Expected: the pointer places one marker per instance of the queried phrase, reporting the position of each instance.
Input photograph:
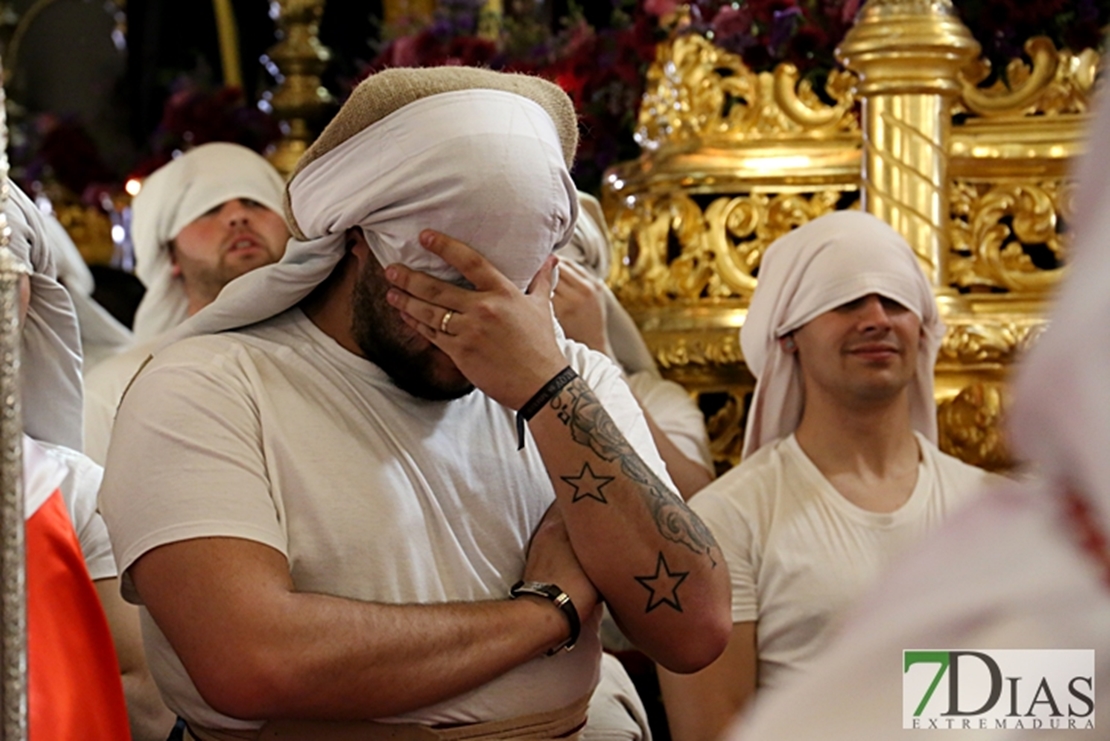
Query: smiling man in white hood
(841, 469)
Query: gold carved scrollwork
(695, 350)
(726, 431)
(695, 90)
(989, 342)
(718, 249)
(647, 231)
(90, 228)
(740, 229)
(1052, 82)
(994, 229)
(970, 426)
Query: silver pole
(13, 582)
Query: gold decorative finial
(300, 100)
(908, 55)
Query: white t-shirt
(104, 387)
(79, 480)
(799, 553)
(278, 435)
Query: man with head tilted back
(199, 222)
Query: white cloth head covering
(51, 342)
(102, 335)
(1060, 416)
(589, 247)
(830, 261)
(174, 196)
(479, 163)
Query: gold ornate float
(975, 177)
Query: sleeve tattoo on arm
(579, 409)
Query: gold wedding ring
(445, 321)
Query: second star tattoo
(588, 485)
(663, 586)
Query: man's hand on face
(501, 339)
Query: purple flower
(783, 24)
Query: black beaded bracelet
(531, 407)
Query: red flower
(732, 22)
(470, 51)
(660, 8)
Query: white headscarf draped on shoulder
(102, 335)
(1060, 413)
(51, 342)
(589, 247)
(830, 261)
(172, 197)
(479, 155)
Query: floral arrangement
(60, 149)
(766, 32)
(600, 68)
(806, 32)
(193, 116)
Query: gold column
(300, 99)
(227, 31)
(907, 54)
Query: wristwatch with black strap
(560, 599)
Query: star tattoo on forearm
(587, 485)
(663, 585)
(590, 425)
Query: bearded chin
(381, 335)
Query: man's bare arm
(579, 304)
(655, 562)
(258, 649)
(700, 706)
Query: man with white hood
(199, 222)
(373, 483)
(1026, 567)
(840, 470)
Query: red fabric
(74, 683)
